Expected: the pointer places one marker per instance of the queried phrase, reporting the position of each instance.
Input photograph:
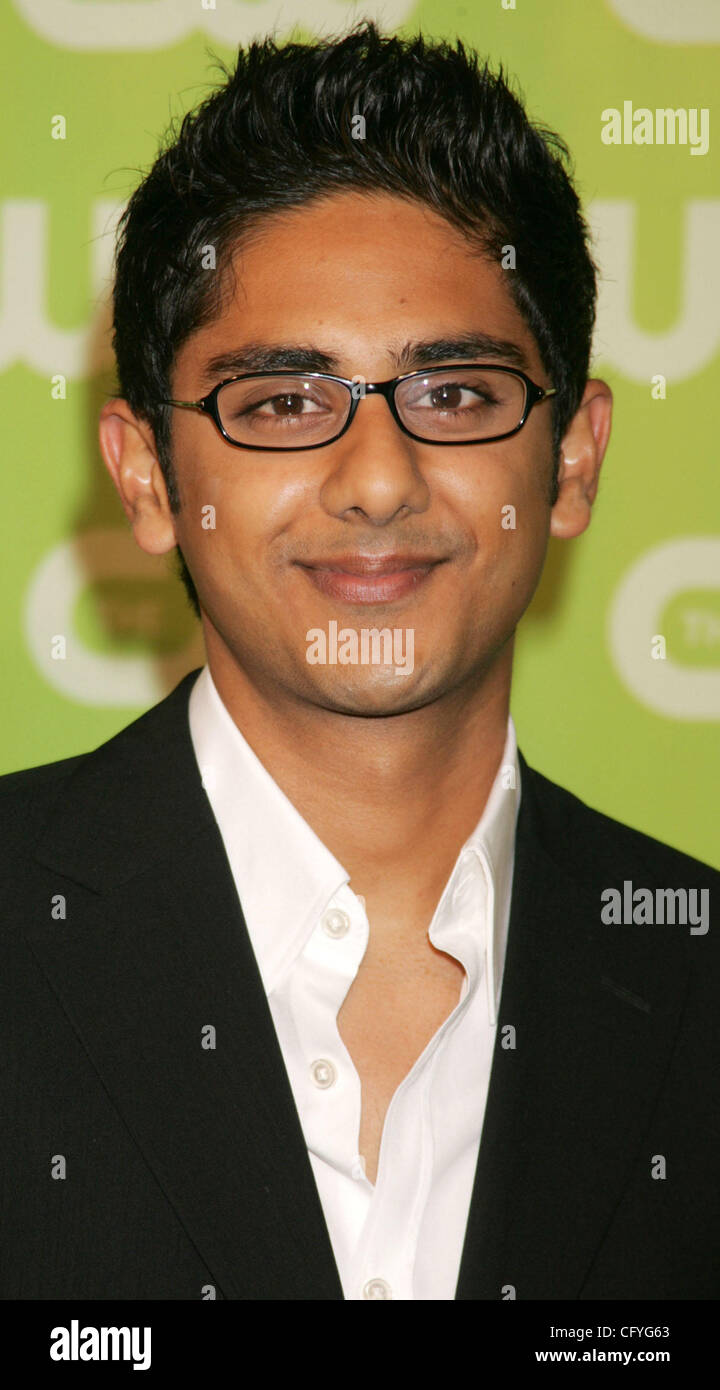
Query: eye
(462, 403)
(454, 395)
(269, 399)
(451, 395)
(286, 404)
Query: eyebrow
(412, 355)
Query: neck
(392, 799)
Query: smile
(370, 579)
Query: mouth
(370, 578)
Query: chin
(379, 698)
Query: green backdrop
(635, 736)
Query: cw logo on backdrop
(673, 571)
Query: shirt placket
(324, 1080)
(416, 1120)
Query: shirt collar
(286, 876)
(492, 842)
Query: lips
(370, 578)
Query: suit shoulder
(576, 831)
(26, 793)
(28, 783)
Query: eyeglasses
(466, 404)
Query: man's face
(355, 276)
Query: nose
(375, 468)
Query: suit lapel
(567, 1106)
(144, 964)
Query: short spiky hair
(439, 128)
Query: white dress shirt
(403, 1237)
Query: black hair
(439, 128)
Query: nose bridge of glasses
(361, 389)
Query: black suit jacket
(186, 1172)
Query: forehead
(357, 272)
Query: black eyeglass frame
(208, 404)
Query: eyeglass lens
(459, 403)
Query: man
(314, 989)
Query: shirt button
(335, 922)
(377, 1288)
(323, 1073)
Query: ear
(581, 455)
(128, 449)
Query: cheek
(503, 504)
(242, 510)
(520, 547)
